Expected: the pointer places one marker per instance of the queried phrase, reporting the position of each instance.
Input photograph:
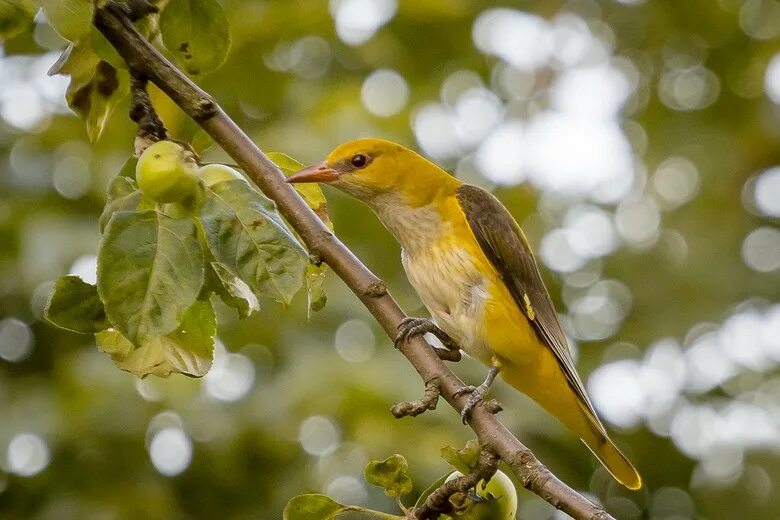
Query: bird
(475, 272)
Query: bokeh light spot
(27, 454)
(355, 341)
(15, 340)
(761, 249)
(766, 192)
(170, 451)
(384, 92)
(319, 435)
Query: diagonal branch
(145, 61)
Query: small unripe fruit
(212, 174)
(500, 500)
(166, 172)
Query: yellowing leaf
(315, 277)
(311, 192)
(315, 199)
(95, 87)
(189, 350)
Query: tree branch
(145, 61)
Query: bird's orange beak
(315, 173)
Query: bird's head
(367, 168)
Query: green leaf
(74, 305)
(16, 16)
(246, 234)
(233, 290)
(390, 474)
(150, 270)
(197, 33)
(123, 195)
(464, 459)
(188, 350)
(312, 507)
(72, 19)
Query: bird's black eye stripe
(359, 160)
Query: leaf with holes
(390, 474)
(75, 305)
(150, 271)
(197, 33)
(189, 350)
(246, 234)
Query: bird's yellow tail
(557, 397)
(613, 460)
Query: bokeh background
(637, 142)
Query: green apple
(211, 174)
(500, 500)
(167, 172)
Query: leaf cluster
(159, 265)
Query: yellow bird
(472, 267)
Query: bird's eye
(359, 160)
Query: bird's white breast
(454, 292)
(444, 275)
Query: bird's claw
(476, 394)
(410, 327)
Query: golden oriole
(472, 267)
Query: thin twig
(140, 55)
(414, 408)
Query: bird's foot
(476, 393)
(410, 327)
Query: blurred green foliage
(688, 355)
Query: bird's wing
(505, 245)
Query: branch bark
(145, 61)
